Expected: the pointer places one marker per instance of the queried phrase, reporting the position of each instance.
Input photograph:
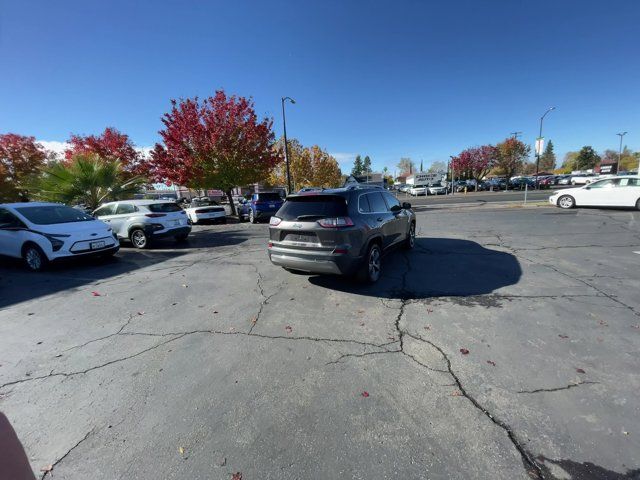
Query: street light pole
(540, 137)
(286, 145)
(620, 152)
(452, 182)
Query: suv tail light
(336, 222)
(154, 215)
(274, 221)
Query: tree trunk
(231, 204)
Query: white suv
(40, 233)
(141, 221)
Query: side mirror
(396, 209)
(587, 187)
(406, 205)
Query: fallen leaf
(360, 311)
(365, 394)
(231, 329)
(215, 311)
(457, 393)
(48, 468)
(288, 329)
(96, 294)
(625, 433)
(579, 370)
(429, 310)
(428, 327)
(141, 312)
(464, 351)
(393, 339)
(563, 336)
(185, 286)
(636, 327)
(603, 323)
(362, 324)
(236, 476)
(254, 320)
(491, 362)
(292, 298)
(181, 450)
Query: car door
(13, 234)
(105, 213)
(628, 192)
(119, 218)
(399, 217)
(599, 194)
(381, 217)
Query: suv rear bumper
(173, 232)
(314, 262)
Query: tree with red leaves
(476, 162)
(512, 155)
(217, 142)
(109, 145)
(20, 157)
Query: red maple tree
(218, 142)
(476, 162)
(20, 157)
(110, 144)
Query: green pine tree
(366, 165)
(548, 158)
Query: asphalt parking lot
(504, 346)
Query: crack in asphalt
(125, 325)
(558, 389)
(53, 465)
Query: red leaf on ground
(365, 394)
(96, 294)
(236, 476)
(491, 362)
(288, 329)
(579, 370)
(464, 351)
(48, 468)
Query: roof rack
(363, 186)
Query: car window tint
(391, 200)
(377, 202)
(269, 196)
(53, 214)
(163, 207)
(106, 210)
(603, 184)
(313, 206)
(629, 182)
(8, 218)
(124, 208)
(363, 204)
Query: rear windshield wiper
(308, 217)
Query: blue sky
(389, 79)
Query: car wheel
(638, 204)
(34, 258)
(410, 242)
(566, 202)
(139, 239)
(182, 237)
(252, 217)
(372, 266)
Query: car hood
(74, 228)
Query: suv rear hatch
(168, 214)
(311, 221)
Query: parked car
(204, 210)
(582, 179)
(259, 206)
(565, 180)
(545, 182)
(609, 192)
(436, 190)
(142, 221)
(40, 233)
(520, 183)
(342, 231)
(496, 184)
(416, 191)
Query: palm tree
(88, 179)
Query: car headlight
(56, 243)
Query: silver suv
(342, 231)
(141, 221)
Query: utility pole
(620, 152)
(286, 145)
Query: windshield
(53, 214)
(313, 206)
(163, 207)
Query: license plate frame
(97, 245)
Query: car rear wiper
(308, 217)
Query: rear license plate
(297, 237)
(96, 245)
(174, 223)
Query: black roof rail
(363, 186)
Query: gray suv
(343, 231)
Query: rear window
(53, 214)
(313, 207)
(163, 207)
(269, 196)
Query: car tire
(182, 237)
(34, 258)
(252, 216)
(139, 238)
(410, 242)
(566, 202)
(638, 204)
(371, 268)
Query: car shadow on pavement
(201, 238)
(436, 267)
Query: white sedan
(206, 211)
(623, 191)
(40, 233)
(416, 191)
(436, 190)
